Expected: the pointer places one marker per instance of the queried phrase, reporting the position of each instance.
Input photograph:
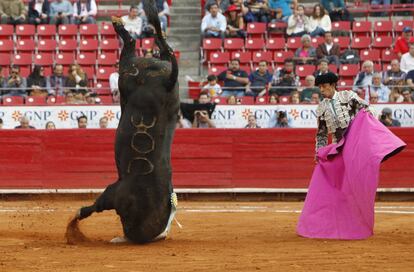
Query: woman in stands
(235, 23)
(37, 83)
(298, 23)
(77, 79)
(320, 22)
(305, 54)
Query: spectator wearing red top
(401, 45)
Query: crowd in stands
(376, 80)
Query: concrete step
(185, 3)
(187, 31)
(189, 19)
(186, 10)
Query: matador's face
(327, 90)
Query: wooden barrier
(202, 158)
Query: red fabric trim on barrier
(209, 158)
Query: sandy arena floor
(217, 236)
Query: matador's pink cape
(341, 197)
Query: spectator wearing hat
(235, 23)
(214, 24)
(402, 44)
(394, 76)
(387, 120)
(329, 50)
(407, 60)
(380, 89)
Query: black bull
(149, 106)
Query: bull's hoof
(117, 20)
(119, 240)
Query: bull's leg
(128, 49)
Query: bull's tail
(166, 52)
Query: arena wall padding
(202, 158)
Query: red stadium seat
(210, 44)
(233, 44)
(147, 43)
(219, 100)
(194, 89)
(275, 44)
(109, 46)
(68, 31)
(345, 84)
(102, 87)
(246, 100)
(46, 32)
(293, 43)
(219, 58)
(261, 100)
(60, 99)
(333, 68)
(361, 28)
(86, 59)
(64, 59)
(6, 46)
(256, 29)
(243, 57)
(107, 31)
(67, 45)
(383, 28)
(107, 59)
(13, 101)
(316, 41)
(285, 99)
(90, 45)
(388, 55)
(341, 26)
(254, 44)
(399, 25)
(276, 29)
(348, 70)
(280, 56)
(105, 99)
(6, 32)
(25, 46)
(88, 31)
(104, 72)
(216, 70)
(305, 70)
(46, 46)
(35, 101)
(25, 32)
(382, 42)
(342, 41)
(361, 43)
(44, 59)
(370, 54)
(262, 55)
(23, 59)
(51, 100)
(5, 59)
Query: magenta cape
(341, 196)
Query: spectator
(407, 60)
(1, 123)
(394, 76)
(82, 121)
(50, 125)
(60, 12)
(281, 120)
(79, 97)
(402, 44)
(315, 98)
(407, 96)
(213, 24)
(282, 6)
(2, 79)
(77, 78)
(221, 4)
(37, 83)
(235, 80)
(58, 80)
(70, 98)
(204, 98)
(323, 67)
(212, 87)
(380, 89)
(259, 81)
(298, 23)
(133, 23)
(309, 90)
(163, 12)
(273, 99)
(364, 79)
(202, 120)
(232, 100)
(251, 122)
(396, 96)
(113, 84)
(319, 22)
(103, 122)
(329, 50)
(373, 97)
(235, 23)
(84, 12)
(16, 84)
(39, 12)
(24, 123)
(305, 54)
(386, 118)
(337, 10)
(183, 122)
(91, 98)
(12, 12)
(258, 11)
(285, 80)
(295, 97)
(349, 56)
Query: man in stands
(323, 67)
(84, 12)
(39, 12)
(402, 43)
(214, 24)
(113, 83)
(283, 6)
(24, 123)
(285, 80)
(387, 120)
(379, 88)
(394, 76)
(309, 90)
(259, 81)
(133, 23)
(329, 50)
(251, 122)
(222, 5)
(58, 80)
(407, 60)
(60, 12)
(364, 79)
(235, 80)
(103, 122)
(12, 12)
(204, 98)
(16, 84)
(82, 121)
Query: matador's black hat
(329, 77)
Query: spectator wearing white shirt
(319, 22)
(214, 24)
(212, 87)
(84, 12)
(407, 60)
(380, 89)
(133, 23)
(113, 84)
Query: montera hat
(329, 77)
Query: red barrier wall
(215, 158)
